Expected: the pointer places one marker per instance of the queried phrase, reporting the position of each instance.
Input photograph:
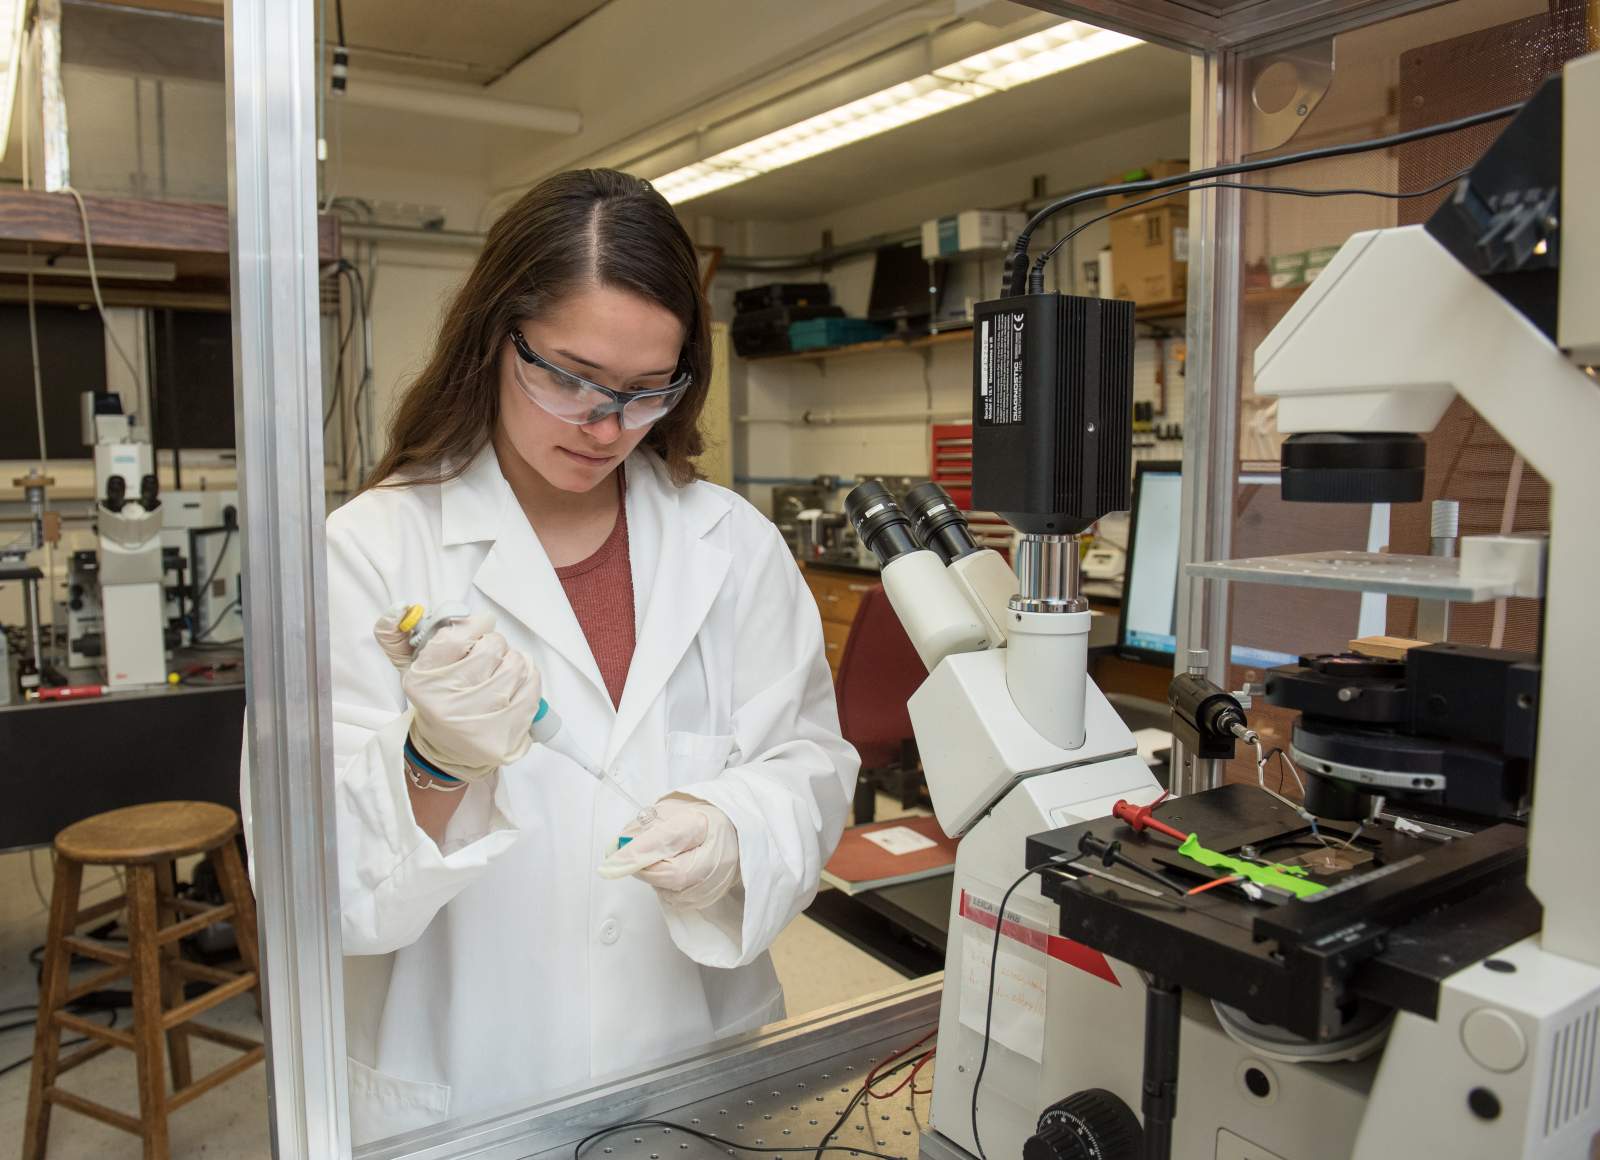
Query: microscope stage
(1399, 915)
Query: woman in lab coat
(540, 470)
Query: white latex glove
(396, 645)
(690, 853)
(474, 698)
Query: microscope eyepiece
(938, 523)
(880, 522)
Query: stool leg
(235, 884)
(52, 987)
(172, 994)
(145, 958)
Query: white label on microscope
(1019, 995)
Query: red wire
(909, 1081)
(872, 1076)
(1223, 881)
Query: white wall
(772, 397)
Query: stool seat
(156, 832)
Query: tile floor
(817, 968)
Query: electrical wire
(343, 270)
(1288, 190)
(882, 1071)
(988, 1007)
(215, 624)
(719, 1141)
(227, 538)
(27, 1059)
(1019, 272)
(94, 284)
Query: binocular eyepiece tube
(931, 608)
(939, 524)
(880, 521)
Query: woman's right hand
(474, 697)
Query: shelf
(195, 238)
(1286, 296)
(879, 346)
(1150, 312)
(1422, 577)
(1159, 311)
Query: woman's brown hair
(581, 228)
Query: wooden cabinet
(838, 595)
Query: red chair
(877, 675)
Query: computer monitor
(1149, 627)
(901, 282)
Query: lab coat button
(610, 931)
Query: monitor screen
(901, 281)
(1149, 628)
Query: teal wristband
(427, 766)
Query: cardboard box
(1145, 173)
(1150, 254)
(1317, 261)
(1287, 270)
(970, 230)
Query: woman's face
(605, 335)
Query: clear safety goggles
(574, 399)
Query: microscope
(1406, 962)
(1015, 738)
(122, 584)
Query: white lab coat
(498, 968)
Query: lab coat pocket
(697, 756)
(383, 1105)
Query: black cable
(1019, 268)
(26, 1060)
(227, 538)
(338, 16)
(721, 1142)
(864, 1092)
(365, 381)
(1290, 190)
(344, 268)
(1283, 769)
(988, 1007)
(215, 624)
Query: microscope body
(1014, 736)
(130, 573)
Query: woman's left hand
(689, 853)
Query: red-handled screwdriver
(1141, 816)
(71, 692)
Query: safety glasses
(574, 399)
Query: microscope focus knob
(1089, 1125)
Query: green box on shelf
(822, 333)
(1287, 270)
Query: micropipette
(546, 725)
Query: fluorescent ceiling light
(11, 12)
(115, 269)
(1054, 50)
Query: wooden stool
(144, 840)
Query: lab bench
(68, 760)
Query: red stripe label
(1065, 950)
